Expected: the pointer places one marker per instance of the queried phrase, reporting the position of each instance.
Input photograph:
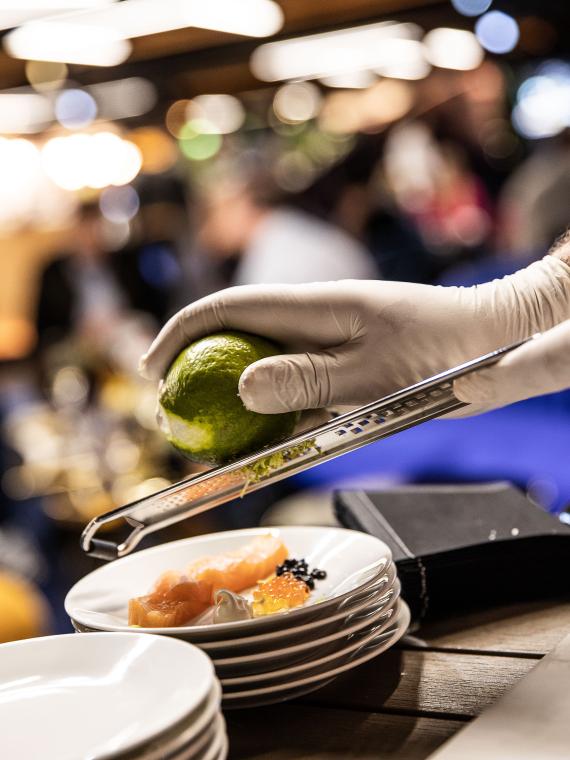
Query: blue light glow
(119, 204)
(471, 7)
(75, 109)
(497, 32)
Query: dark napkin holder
(460, 547)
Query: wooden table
(408, 701)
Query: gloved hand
(351, 342)
(541, 366)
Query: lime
(200, 410)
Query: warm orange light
(158, 150)
(17, 337)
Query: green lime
(200, 410)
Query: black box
(460, 547)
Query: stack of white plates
(351, 616)
(123, 696)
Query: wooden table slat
(418, 681)
(300, 732)
(530, 628)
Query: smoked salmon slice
(179, 597)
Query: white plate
(231, 667)
(268, 642)
(183, 734)
(385, 626)
(372, 594)
(277, 697)
(216, 748)
(350, 558)
(203, 744)
(67, 697)
(269, 694)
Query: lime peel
(263, 468)
(201, 411)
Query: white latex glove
(351, 342)
(539, 367)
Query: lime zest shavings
(263, 468)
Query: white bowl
(68, 697)
(350, 558)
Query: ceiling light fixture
(321, 55)
(453, 49)
(68, 43)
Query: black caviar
(299, 569)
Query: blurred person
(534, 201)
(90, 292)
(85, 289)
(435, 187)
(276, 243)
(353, 194)
(354, 342)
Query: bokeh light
(543, 102)
(471, 7)
(297, 103)
(93, 161)
(352, 111)
(23, 112)
(75, 109)
(453, 49)
(197, 145)
(177, 117)
(20, 178)
(219, 114)
(497, 32)
(405, 59)
(45, 76)
(124, 98)
(352, 80)
(157, 148)
(294, 171)
(119, 204)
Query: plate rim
(256, 623)
(382, 628)
(268, 691)
(307, 645)
(170, 744)
(281, 634)
(304, 628)
(134, 743)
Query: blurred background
(154, 151)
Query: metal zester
(399, 411)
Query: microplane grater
(391, 414)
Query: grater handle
(426, 400)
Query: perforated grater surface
(399, 411)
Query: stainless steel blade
(399, 411)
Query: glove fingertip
(149, 368)
(471, 389)
(142, 367)
(257, 391)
